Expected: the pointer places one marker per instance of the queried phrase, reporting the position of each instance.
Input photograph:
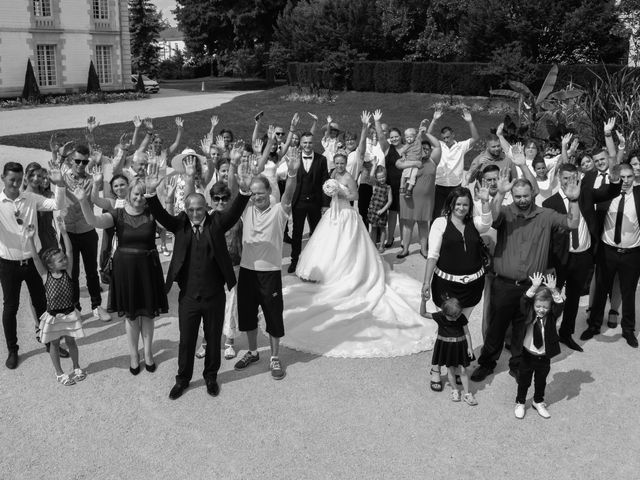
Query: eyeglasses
(82, 162)
(220, 198)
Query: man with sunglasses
(18, 210)
(84, 237)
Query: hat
(332, 126)
(178, 166)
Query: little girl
(453, 347)
(61, 320)
(379, 204)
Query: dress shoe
(519, 411)
(480, 373)
(12, 360)
(541, 409)
(570, 342)
(292, 267)
(150, 368)
(631, 339)
(213, 388)
(177, 391)
(403, 254)
(589, 333)
(135, 371)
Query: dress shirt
(528, 338)
(13, 242)
(630, 229)
(584, 237)
(450, 171)
(307, 160)
(601, 179)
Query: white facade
(170, 41)
(61, 38)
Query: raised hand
(329, 119)
(536, 279)
(437, 113)
(466, 115)
(152, 179)
(572, 188)
(294, 121)
(124, 142)
(54, 144)
(504, 185)
(293, 159)
(609, 124)
(566, 139)
(214, 121)
(172, 184)
(148, 124)
(220, 142)
(96, 154)
(96, 173)
(313, 115)
(271, 133)
(517, 153)
(190, 166)
(137, 122)
(92, 124)
(179, 122)
(483, 192)
(550, 281)
(574, 146)
(257, 145)
(55, 175)
(205, 144)
(622, 142)
(365, 118)
(377, 115)
(80, 193)
(500, 130)
(243, 178)
(235, 155)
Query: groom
(308, 198)
(201, 265)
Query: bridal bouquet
(331, 187)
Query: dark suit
(573, 268)
(308, 200)
(200, 299)
(610, 261)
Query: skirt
(137, 284)
(61, 325)
(451, 353)
(468, 294)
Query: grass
(400, 110)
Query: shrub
(392, 76)
(363, 78)
(425, 77)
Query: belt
(623, 250)
(136, 250)
(459, 278)
(21, 263)
(451, 339)
(517, 283)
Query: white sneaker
(542, 409)
(519, 411)
(101, 314)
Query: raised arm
(437, 114)
(68, 247)
(292, 128)
(30, 232)
(475, 136)
(504, 143)
(608, 136)
(262, 161)
(622, 144)
(504, 187)
(293, 160)
(151, 182)
(104, 220)
(180, 128)
(100, 202)
(256, 129)
(483, 221)
(148, 124)
(314, 125)
(436, 149)
(382, 140)
(214, 123)
(137, 123)
(519, 161)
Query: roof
(171, 33)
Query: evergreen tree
(93, 82)
(30, 91)
(145, 24)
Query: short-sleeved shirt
(450, 169)
(523, 237)
(447, 328)
(262, 236)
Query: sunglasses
(82, 162)
(19, 220)
(279, 133)
(220, 198)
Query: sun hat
(178, 166)
(332, 126)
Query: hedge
(455, 78)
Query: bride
(345, 300)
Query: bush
(425, 77)
(392, 76)
(79, 98)
(363, 78)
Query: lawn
(401, 110)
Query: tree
(93, 82)
(30, 91)
(145, 25)
(629, 11)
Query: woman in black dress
(454, 261)
(137, 283)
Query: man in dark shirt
(522, 248)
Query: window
(103, 63)
(100, 9)
(42, 8)
(46, 65)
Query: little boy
(412, 151)
(542, 306)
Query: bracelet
(292, 176)
(608, 135)
(622, 147)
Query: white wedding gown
(351, 304)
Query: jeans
(12, 274)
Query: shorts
(262, 289)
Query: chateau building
(61, 38)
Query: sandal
(455, 395)
(202, 351)
(229, 352)
(65, 380)
(469, 399)
(79, 374)
(436, 386)
(612, 321)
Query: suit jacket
(587, 201)
(551, 339)
(215, 226)
(319, 174)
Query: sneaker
(101, 314)
(542, 409)
(276, 369)
(519, 411)
(469, 399)
(202, 351)
(455, 395)
(247, 360)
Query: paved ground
(328, 419)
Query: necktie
(537, 333)
(573, 233)
(604, 178)
(196, 231)
(617, 235)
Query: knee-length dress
(379, 199)
(419, 207)
(450, 349)
(137, 281)
(460, 255)
(61, 318)
(394, 174)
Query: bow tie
(307, 158)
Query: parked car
(150, 86)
